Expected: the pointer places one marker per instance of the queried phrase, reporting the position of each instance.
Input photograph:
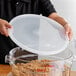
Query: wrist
(66, 24)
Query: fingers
(68, 31)
(4, 26)
(70, 34)
(8, 25)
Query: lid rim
(26, 47)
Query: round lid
(38, 34)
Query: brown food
(38, 68)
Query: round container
(24, 64)
(38, 34)
(30, 32)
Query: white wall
(67, 9)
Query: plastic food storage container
(24, 64)
(30, 32)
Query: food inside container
(39, 68)
(24, 64)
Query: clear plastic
(25, 64)
(38, 34)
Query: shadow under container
(24, 64)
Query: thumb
(66, 29)
(8, 25)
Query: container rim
(32, 55)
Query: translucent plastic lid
(38, 34)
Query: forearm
(63, 22)
(58, 19)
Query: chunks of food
(36, 68)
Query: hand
(4, 25)
(68, 31)
(62, 21)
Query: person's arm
(63, 22)
(48, 10)
(4, 25)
